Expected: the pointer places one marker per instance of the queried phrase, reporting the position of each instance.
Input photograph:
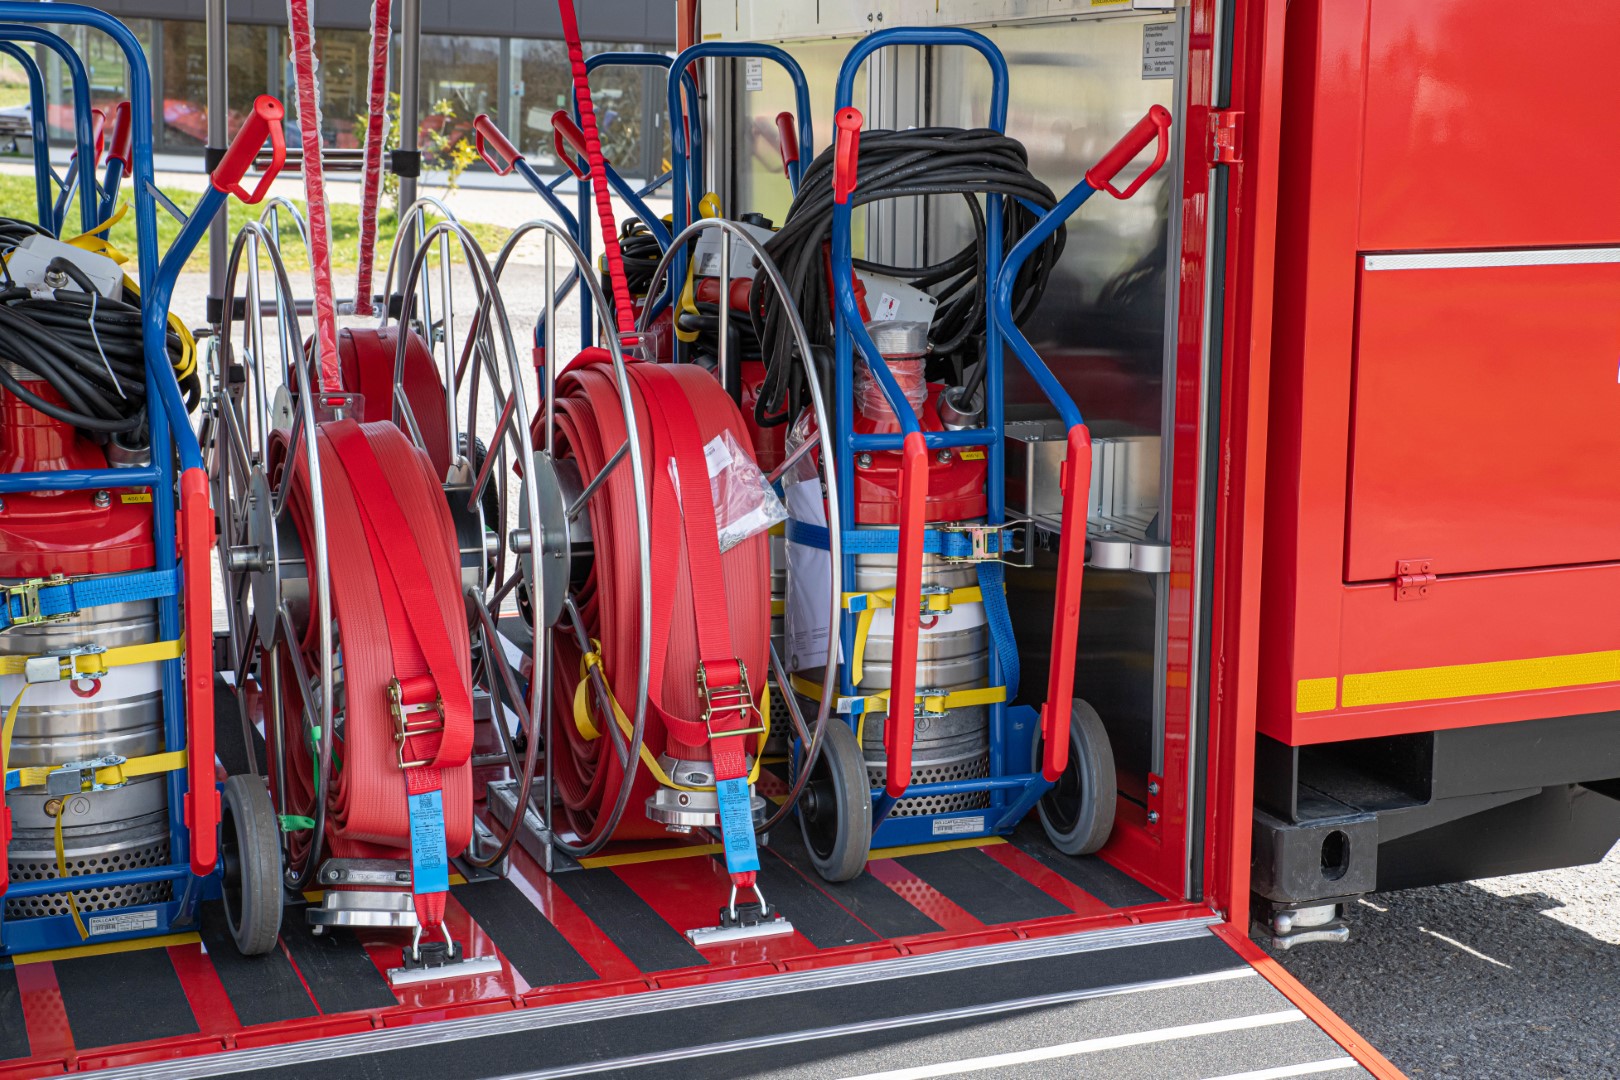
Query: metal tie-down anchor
(743, 922)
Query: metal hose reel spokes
(265, 559)
(812, 737)
(552, 516)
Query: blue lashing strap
(992, 580)
(40, 599)
(952, 545)
(999, 620)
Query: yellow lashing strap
(708, 207)
(878, 701)
(84, 665)
(868, 603)
(587, 727)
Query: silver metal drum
(781, 728)
(954, 745)
(122, 828)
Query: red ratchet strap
(320, 228)
(376, 128)
(623, 307)
(396, 594)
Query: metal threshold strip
(662, 1001)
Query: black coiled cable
(892, 165)
(88, 348)
(641, 253)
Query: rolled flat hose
(589, 428)
(367, 814)
(366, 357)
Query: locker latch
(1413, 578)
(1227, 126)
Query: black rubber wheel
(1078, 813)
(835, 811)
(250, 861)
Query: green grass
(12, 94)
(17, 200)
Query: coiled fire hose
(895, 164)
(402, 774)
(711, 610)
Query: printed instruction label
(1161, 44)
(958, 826)
(754, 73)
(430, 861)
(737, 825)
(126, 923)
(887, 308)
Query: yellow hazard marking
(1476, 680)
(686, 851)
(107, 948)
(929, 849)
(1316, 695)
(136, 497)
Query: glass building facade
(521, 81)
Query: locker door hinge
(1413, 579)
(1227, 129)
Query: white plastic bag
(744, 502)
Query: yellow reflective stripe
(1476, 680)
(587, 727)
(1316, 695)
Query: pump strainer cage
(810, 738)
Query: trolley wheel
(250, 857)
(1078, 813)
(835, 811)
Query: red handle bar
(1155, 125)
(264, 122)
(120, 134)
(569, 142)
(98, 135)
(787, 140)
(847, 154)
(485, 129)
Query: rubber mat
(262, 989)
(1113, 887)
(626, 920)
(13, 1024)
(123, 997)
(866, 898)
(525, 937)
(983, 887)
(335, 966)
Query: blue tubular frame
(41, 137)
(686, 174)
(849, 335)
(632, 197)
(83, 127)
(171, 436)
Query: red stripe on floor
(206, 995)
(574, 925)
(49, 1034)
(1047, 880)
(923, 896)
(689, 893)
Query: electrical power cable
(923, 162)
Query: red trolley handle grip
(787, 141)
(197, 543)
(264, 122)
(98, 135)
(569, 142)
(1075, 481)
(120, 136)
(899, 727)
(846, 153)
(487, 131)
(1155, 125)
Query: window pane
(459, 80)
(184, 86)
(629, 103)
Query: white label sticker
(717, 455)
(887, 309)
(956, 826)
(1158, 67)
(122, 924)
(1159, 39)
(754, 73)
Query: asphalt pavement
(1508, 977)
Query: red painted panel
(1490, 123)
(49, 1034)
(1486, 425)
